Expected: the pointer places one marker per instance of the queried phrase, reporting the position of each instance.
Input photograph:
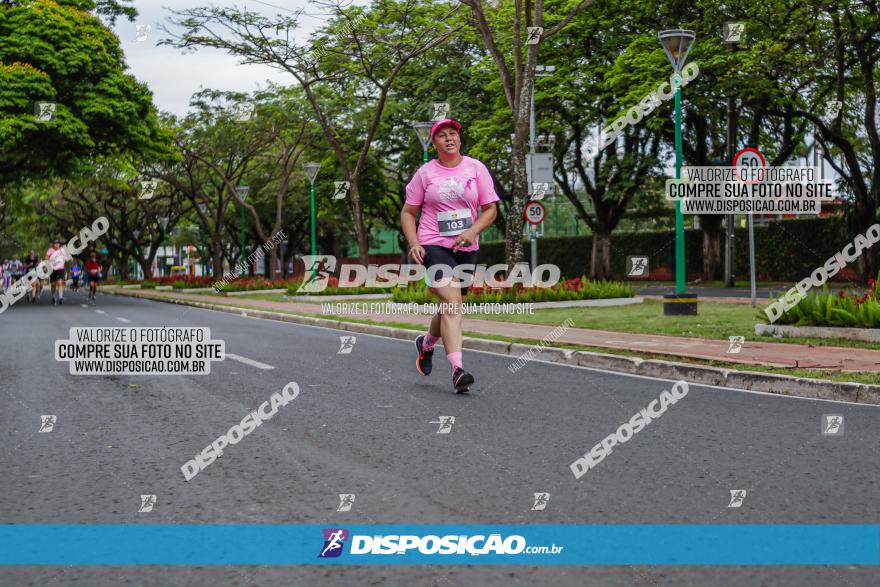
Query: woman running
(30, 264)
(75, 272)
(56, 256)
(93, 271)
(449, 192)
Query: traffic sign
(746, 162)
(539, 167)
(535, 212)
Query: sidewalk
(753, 352)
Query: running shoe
(462, 380)
(424, 362)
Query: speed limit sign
(535, 212)
(746, 163)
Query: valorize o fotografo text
(750, 190)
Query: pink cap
(443, 123)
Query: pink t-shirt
(446, 194)
(56, 258)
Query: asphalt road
(365, 423)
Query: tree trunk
(122, 267)
(359, 227)
(217, 257)
(712, 267)
(865, 217)
(513, 248)
(273, 262)
(600, 258)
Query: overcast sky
(174, 77)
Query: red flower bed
(192, 280)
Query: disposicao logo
(334, 540)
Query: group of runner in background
(54, 264)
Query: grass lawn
(716, 320)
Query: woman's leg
(450, 322)
(434, 328)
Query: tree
(448, 73)
(280, 120)
(839, 66)
(98, 109)
(584, 90)
(517, 80)
(358, 56)
(217, 152)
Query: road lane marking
(126, 320)
(247, 361)
(100, 311)
(83, 305)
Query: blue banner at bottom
(523, 544)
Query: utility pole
(732, 36)
(533, 230)
(540, 71)
(729, 278)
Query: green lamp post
(677, 44)
(241, 192)
(423, 131)
(163, 223)
(311, 170)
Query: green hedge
(574, 289)
(786, 250)
(293, 290)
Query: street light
(423, 131)
(241, 192)
(677, 44)
(311, 170)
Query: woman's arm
(484, 221)
(408, 220)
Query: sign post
(745, 159)
(534, 213)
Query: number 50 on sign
(535, 212)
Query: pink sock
(454, 360)
(429, 341)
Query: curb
(862, 393)
(866, 334)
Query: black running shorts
(449, 259)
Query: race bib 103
(454, 222)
